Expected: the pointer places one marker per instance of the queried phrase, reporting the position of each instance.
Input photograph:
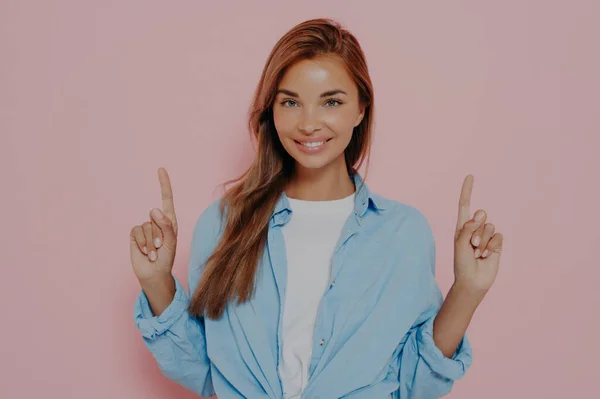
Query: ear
(360, 116)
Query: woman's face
(315, 112)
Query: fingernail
(156, 213)
(476, 241)
(479, 216)
(145, 250)
(477, 252)
(157, 242)
(152, 256)
(485, 253)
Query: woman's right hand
(153, 243)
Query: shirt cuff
(151, 326)
(452, 368)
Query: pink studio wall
(95, 96)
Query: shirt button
(322, 342)
(332, 284)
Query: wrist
(466, 294)
(467, 287)
(159, 284)
(159, 292)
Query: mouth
(312, 147)
(312, 144)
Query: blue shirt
(373, 335)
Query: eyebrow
(325, 94)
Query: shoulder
(210, 220)
(403, 216)
(409, 231)
(205, 236)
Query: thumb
(470, 227)
(166, 226)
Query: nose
(309, 122)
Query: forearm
(160, 293)
(452, 320)
(176, 340)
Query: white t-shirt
(310, 238)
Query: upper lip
(313, 140)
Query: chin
(314, 162)
(311, 164)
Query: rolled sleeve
(424, 371)
(152, 326)
(451, 368)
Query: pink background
(95, 96)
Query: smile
(312, 147)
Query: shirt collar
(362, 200)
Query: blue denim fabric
(373, 335)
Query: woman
(303, 282)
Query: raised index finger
(168, 207)
(464, 203)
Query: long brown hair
(248, 205)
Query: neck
(325, 184)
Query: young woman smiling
(302, 281)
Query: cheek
(342, 122)
(285, 122)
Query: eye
(332, 102)
(289, 103)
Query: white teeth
(315, 144)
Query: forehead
(316, 75)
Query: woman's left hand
(477, 246)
